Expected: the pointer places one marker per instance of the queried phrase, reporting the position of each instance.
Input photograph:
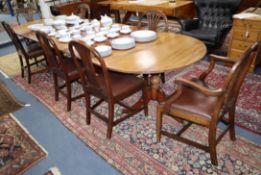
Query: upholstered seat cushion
(34, 50)
(205, 34)
(188, 105)
(122, 84)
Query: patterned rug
(133, 148)
(18, 150)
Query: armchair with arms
(196, 103)
(213, 22)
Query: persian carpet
(18, 150)
(133, 148)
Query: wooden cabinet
(246, 30)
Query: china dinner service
(121, 36)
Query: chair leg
(212, 145)
(22, 66)
(110, 123)
(56, 91)
(29, 74)
(69, 94)
(159, 123)
(232, 124)
(88, 106)
(145, 99)
(162, 77)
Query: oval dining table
(169, 52)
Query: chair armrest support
(202, 89)
(220, 58)
(187, 25)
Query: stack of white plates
(144, 35)
(104, 50)
(123, 43)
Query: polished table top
(164, 6)
(168, 52)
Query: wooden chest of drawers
(245, 31)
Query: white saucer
(65, 40)
(125, 31)
(100, 39)
(112, 35)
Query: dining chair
(83, 11)
(196, 103)
(62, 67)
(107, 86)
(29, 55)
(155, 20)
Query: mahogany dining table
(169, 52)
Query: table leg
(155, 92)
(127, 17)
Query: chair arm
(220, 58)
(187, 25)
(198, 87)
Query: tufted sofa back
(215, 14)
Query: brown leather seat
(196, 103)
(107, 86)
(62, 67)
(31, 54)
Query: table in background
(182, 9)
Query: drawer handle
(247, 34)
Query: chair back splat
(197, 103)
(61, 66)
(154, 18)
(106, 85)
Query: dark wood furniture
(29, 56)
(62, 67)
(153, 20)
(107, 86)
(83, 11)
(245, 32)
(196, 103)
(213, 23)
(181, 9)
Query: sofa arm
(187, 25)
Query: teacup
(91, 32)
(76, 32)
(125, 27)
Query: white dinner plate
(144, 35)
(100, 39)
